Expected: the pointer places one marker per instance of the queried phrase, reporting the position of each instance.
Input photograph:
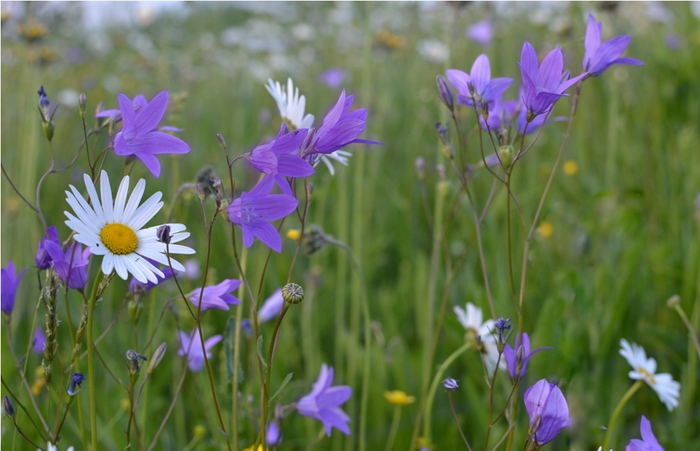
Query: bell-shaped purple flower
(648, 441)
(216, 296)
(323, 401)
(254, 211)
(192, 348)
(511, 355)
(139, 135)
(599, 57)
(546, 406)
(38, 341)
(545, 83)
(43, 259)
(9, 287)
(280, 157)
(70, 265)
(477, 86)
(271, 307)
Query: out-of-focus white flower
(433, 51)
(645, 369)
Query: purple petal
(266, 233)
(149, 116)
(594, 31)
(459, 80)
(334, 396)
(127, 110)
(151, 162)
(293, 166)
(496, 88)
(528, 60)
(549, 73)
(264, 161)
(158, 143)
(335, 113)
(480, 73)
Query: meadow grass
(624, 228)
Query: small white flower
(645, 369)
(51, 447)
(290, 104)
(114, 229)
(340, 156)
(471, 319)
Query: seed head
(292, 293)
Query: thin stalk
(91, 359)
(616, 414)
(394, 428)
(454, 414)
(236, 357)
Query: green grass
(625, 231)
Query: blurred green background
(623, 228)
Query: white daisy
(471, 319)
(645, 369)
(115, 230)
(290, 104)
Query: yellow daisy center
(648, 375)
(119, 238)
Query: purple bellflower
(510, 355)
(43, 259)
(216, 296)
(273, 437)
(70, 265)
(38, 341)
(9, 287)
(477, 86)
(340, 127)
(599, 56)
(279, 158)
(546, 401)
(333, 77)
(271, 307)
(254, 211)
(648, 441)
(139, 135)
(192, 348)
(481, 32)
(323, 401)
(545, 83)
(139, 103)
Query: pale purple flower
(280, 157)
(450, 384)
(546, 401)
(510, 354)
(9, 287)
(70, 265)
(648, 441)
(38, 341)
(271, 307)
(545, 83)
(481, 32)
(191, 347)
(139, 103)
(477, 86)
(254, 211)
(273, 437)
(340, 128)
(139, 135)
(76, 381)
(323, 401)
(43, 259)
(333, 77)
(599, 56)
(216, 296)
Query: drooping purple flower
(510, 354)
(340, 127)
(271, 307)
(333, 77)
(43, 259)
(191, 347)
(254, 211)
(546, 401)
(38, 341)
(545, 83)
(139, 135)
(9, 287)
(216, 296)
(648, 441)
(273, 437)
(70, 265)
(599, 57)
(280, 157)
(76, 381)
(477, 86)
(323, 401)
(481, 32)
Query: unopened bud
(309, 189)
(445, 92)
(163, 234)
(75, 383)
(222, 141)
(292, 293)
(157, 357)
(314, 239)
(673, 301)
(442, 132)
(48, 127)
(82, 103)
(420, 168)
(519, 360)
(8, 407)
(450, 384)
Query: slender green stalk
(616, 414)
(91, 360)
(394, 428)
(237, 356)
(674, 302)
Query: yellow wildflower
(199, 431)
(294, 234)
(570, 168)
(399, 398)
(545, 229)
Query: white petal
(134, 200)
(120, 200)
(107, 202)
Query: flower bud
(222, 141)
(157, 357)
(8, 407)
(82, 104)
(49, 128)
(76, 381)
(420, 168)
(450, 384)
(673, 301)
(445, 92)
(292, 293)
(163, 234)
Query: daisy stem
(394, 428)
(91, 359)
(611, 426)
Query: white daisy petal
(134, 200)
(146, 211)
(107, 203)
(108, 263)
(96, 206)
(120, 201)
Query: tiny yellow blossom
(199, 431)
(570, 168)
(294, 234)
(399, 398)
(252, 448)
(545, 229)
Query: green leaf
(284, 384)
(260, 352)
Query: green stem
(689, 325)
(608, 434)
(91, 359)
(394, 428)
(237, 356)
(433, 388)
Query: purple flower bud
(445, 92)
(450, 384)
(545, 404)
(75, 381)
(163, 234)
(8, 407)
